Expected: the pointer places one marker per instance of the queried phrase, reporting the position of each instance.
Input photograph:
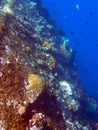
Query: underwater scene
(78, 19)
(48, 65)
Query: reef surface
(40, 87)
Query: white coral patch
(66, 87)
(6, 9)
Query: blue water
(79, 20)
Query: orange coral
(53, 63)
(46, 44)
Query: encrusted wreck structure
(40, 87)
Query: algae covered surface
(40, 87)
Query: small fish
(91, 13)
(65, 17)
(75, 40)
(80, 33)
(75, 52)
(77, 7)
(97, 45)
(86, 23)
(55, 13)
(71, 32)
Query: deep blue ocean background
(79, 20)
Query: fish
(87, 24)
(80, 33)
(91, 13)
(77, 7)
(97, 45)
(71, 32)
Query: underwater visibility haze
(79, 20)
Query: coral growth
(39, 85)
(35, 86)
(35, 82)
(5, 10)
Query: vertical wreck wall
(39, 84)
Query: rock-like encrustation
(39, 84)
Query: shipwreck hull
(40, 87)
